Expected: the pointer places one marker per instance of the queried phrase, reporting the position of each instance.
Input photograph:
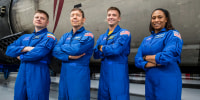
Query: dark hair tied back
(168, 25)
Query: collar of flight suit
(163, 30)
(117, 28)
(79, 31)
(41, 31)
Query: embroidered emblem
(177, 34)
(125, 32)
(37, 37)
(111, 37)
(26, 38)
(68, 38)
(89, 34)
(104, 38)
(149, 39)
(51, 36)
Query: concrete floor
(7, 89)
(137, 91)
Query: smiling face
(40, 20)
(158, 20)
(76, 18)
(113, 18)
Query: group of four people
(158, 55)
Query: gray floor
(7, 89)
(136, 90)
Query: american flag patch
(177, 34)
(89, 34)
(51, 36)
(125, 32)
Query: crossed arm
(151, 61)
(26, 49)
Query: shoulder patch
(51, 36)
(125, 32)
(89, 34)
(177, 34)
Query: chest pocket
(26, 40)
(158, 43)
(147, 43)
(68, 39)
(74, 40)
(103, 40)
(36, 40)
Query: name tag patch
(160, 36)
(77, 38)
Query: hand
(76, 57)
(150, 58)
(27, 49)
(101, 48)
(144, 57)
(18, 57)
(158, 64)
(149, 65)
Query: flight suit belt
(41, 61)
(114, 62)
(76, 64)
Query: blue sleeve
(80, 47)
(14, 49)
(172, 49)
(40, 50)
(139, 61)
(58, 53)
(98, 54)
(117, 47)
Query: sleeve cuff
(21, 48)
(157, 58)
(21, 57)
(99, 46)
(103, 50)
(143, 65)
(67, 58)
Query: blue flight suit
(114, 79)
(162, 82)
(75, 73)
(33, 79)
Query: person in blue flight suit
(113, 49)
(34, 51)
(159, 55)
(75, 49)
